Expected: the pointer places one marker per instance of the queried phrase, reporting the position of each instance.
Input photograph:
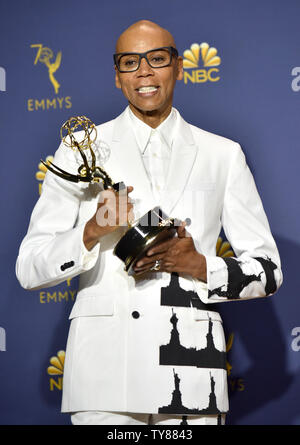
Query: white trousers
(114, 418)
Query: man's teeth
(147, 89)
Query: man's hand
(175, 255)
(114, 209)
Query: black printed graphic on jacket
(176, 406)
(176, 354)
(237, 280)
(269, 268)
(174, 295)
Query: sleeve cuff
(88, 258)
(217, 276)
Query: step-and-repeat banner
(242, 81)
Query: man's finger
(145, 262)
(161, 248)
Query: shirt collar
(143, 132)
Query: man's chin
(150, 109)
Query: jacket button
(135, 314)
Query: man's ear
(179, 68)
(117, 79)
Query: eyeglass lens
(156, 59)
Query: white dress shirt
(156, 148)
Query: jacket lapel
(183, 156)
(127, 163)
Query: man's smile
(147, 91)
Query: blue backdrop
(251, 95)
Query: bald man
(150, 348)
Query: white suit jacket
(152, 344)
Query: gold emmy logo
(209, 58)
(45, 55)
(56, 369)
(62, 295)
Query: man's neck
(151, 118)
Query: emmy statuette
(152, 228)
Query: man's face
(163, 80)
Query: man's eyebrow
(143, 52)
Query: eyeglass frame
(172, 51)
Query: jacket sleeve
(53, 249)
(256, 269)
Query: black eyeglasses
(156, 58)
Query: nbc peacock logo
(223, 248)
(56, 370)
(201, 61)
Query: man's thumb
(181, 232)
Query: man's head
(157, 100)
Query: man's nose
(145, 69)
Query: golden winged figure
(44, 55)
(52, 68)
